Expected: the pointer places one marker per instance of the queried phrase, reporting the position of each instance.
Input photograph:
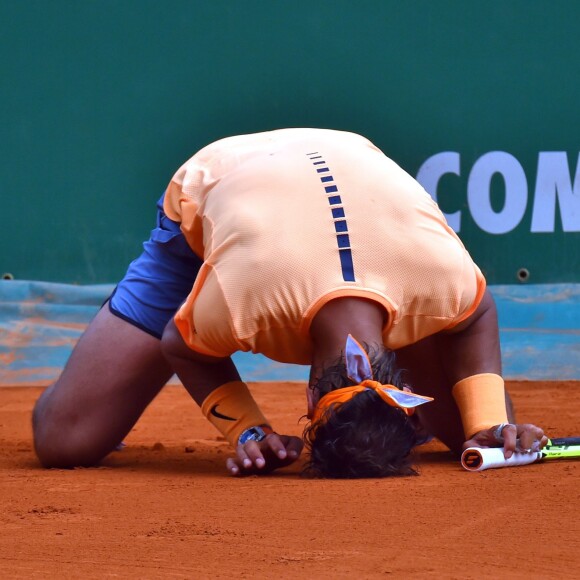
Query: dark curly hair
(363, 437)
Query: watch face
(252, 434)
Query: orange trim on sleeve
(348, 292)
(171, 205)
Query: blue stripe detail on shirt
(340, 224)
(347, 265)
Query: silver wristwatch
(256, 433)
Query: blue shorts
(159, 280)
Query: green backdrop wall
(102, 100)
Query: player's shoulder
(284, 134)
(230, 151)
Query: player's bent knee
(54, 452)
(60, 443)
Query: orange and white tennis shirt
(287, 220)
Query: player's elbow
(172, 344)
(485, 313)
(176, 351)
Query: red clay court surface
(164, 507)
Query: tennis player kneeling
(311, 247)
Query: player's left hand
(273, 452)
(522, 438)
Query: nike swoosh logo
(213, 411)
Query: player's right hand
(262, 457)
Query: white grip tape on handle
(478, 459)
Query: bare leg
(424, 372)
(114, 372)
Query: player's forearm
(200, 374)
(472, 358)
(215, 385)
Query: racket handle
(478, 459)
(564, 441)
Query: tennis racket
(478, 459)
